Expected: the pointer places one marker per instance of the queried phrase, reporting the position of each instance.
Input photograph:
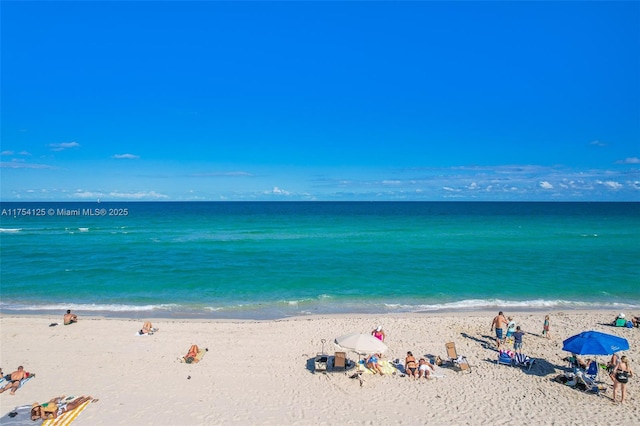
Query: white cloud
(137, 195)
(63, 145)
(545, 185)
(610, 184)
(126, 156)
(597, 143)
(19, 164)
(277, 191)
(6, 153)
(629, 160)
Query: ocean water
(277, 259)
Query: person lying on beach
(147, 328)
(56, 407)
(192, 354)
(372, 363)
(69, 318)
(15, 379)
(410, 365)
(425, 369)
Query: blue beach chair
(505, 357)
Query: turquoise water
(271, 260)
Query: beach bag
(621, 322)
(629, 324)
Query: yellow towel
(66, 418)
(201, 353)
(385, 366)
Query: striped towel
(66, 418)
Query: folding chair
(522, 360)
(459, 362)
(340, 360)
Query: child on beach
(545, 327)
(517, 339)
(511, 328)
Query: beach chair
(523, 361)
(592, 370)
(505, 357)
(458, 362)
(340, 360)
(589, 384)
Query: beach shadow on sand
(489, 343)
(541, 367)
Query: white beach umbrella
(361, 343)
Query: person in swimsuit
(147, 328)
(15, 379)
(372, 363)
(191, 354)
(378, 333)
(69, 318)
(410, 365)
(620, 377)
(545, 327)
(425, 368)
(499, 322)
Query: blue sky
(320, 101)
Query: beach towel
(386, 367)
(5, 382)
(19, 416)
(67, 418)
(198, 357)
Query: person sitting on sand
(425, 369)
(378, 333)
(15, 379)
(372, 363)
(635, 321)
(70, 318)
(410, 365)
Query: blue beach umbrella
(595, 343)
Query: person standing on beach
(545, 327)
(517, 339)
(620, 377)
(511, 328)
(499, 323)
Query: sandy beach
(261, 372)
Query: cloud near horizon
(63, 145)
(126, 157)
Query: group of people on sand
(413, 368)
(514, 332)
